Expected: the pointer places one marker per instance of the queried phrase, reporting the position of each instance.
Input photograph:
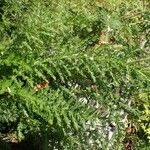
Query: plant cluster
(69, 70)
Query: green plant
(66, 64)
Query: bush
(70, 69)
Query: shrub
(69, 70)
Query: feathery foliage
(66, 64)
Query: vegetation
(72, 72)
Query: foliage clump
(68, 66)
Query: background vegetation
(70, 71)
